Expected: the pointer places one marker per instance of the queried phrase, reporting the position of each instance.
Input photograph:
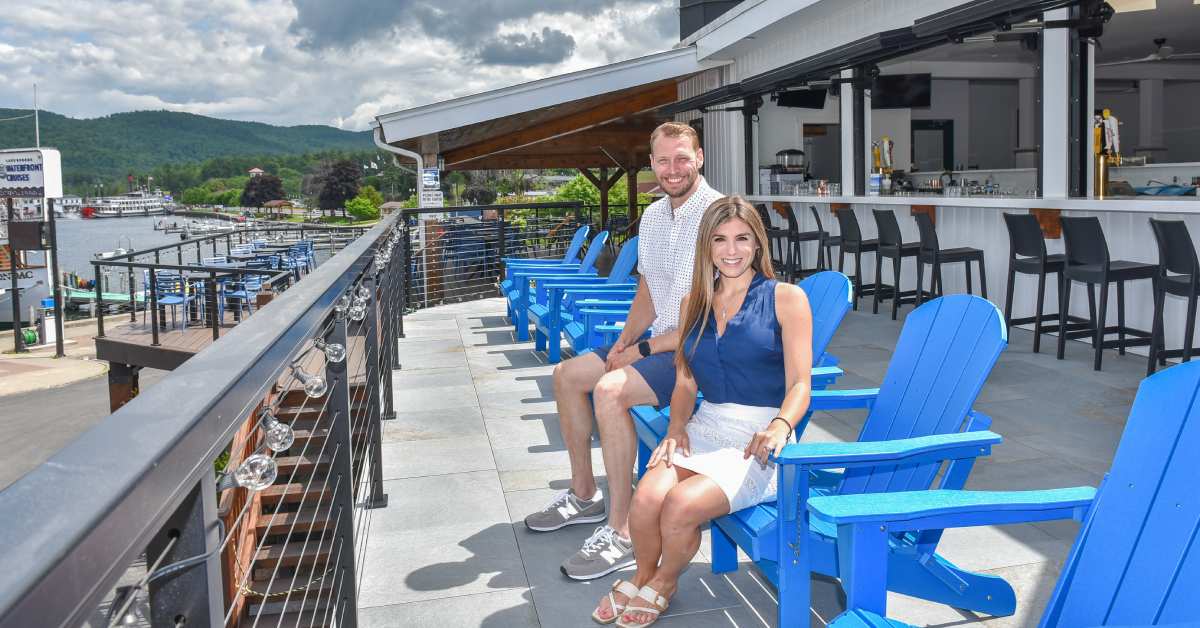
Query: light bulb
(362, 292)
(358, 312)
(380, 263)
(314, 386)
(343, 304)
(256, 472)
(279, 436)
(334, 352)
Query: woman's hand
(766, 443)
(675, 441)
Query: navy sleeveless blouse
(745, 364)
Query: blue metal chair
(1136, 561)
(243, 291)
(171, 291)
(918, 418)
(519, 297)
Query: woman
(747, 345)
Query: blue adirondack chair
(830, 295)
(569, 262)
(546, 312)
(919, 417)
(1136, 561)
(519, 297)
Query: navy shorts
(658, 370)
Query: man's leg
(615, 394)
(574, 380)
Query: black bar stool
(778, 242)
(932, 253)
(826, 242)
(795, 268)
(853, 243)
(1027, 255)
(893, 247)
(1178, 274)
(1088, 262)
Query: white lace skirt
(718, 434)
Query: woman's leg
(644, 512)
(688, 505)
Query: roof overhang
(593, 118)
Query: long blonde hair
(705, 275)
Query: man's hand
(619, 358)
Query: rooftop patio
(476, 446)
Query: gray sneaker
(603, 553)
(567, 509)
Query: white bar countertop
(1141, 204)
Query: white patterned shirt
(666, 251)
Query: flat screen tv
(901, 91)
(803, 98)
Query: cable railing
(238, 490)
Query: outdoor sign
(25, 278)
(30, 173)
(432, 198)
(431, 179)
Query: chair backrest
(577, 240)
(1024, 236)
(929, 239)
(888, 227)
(946, 350)
(1083, 239)
(625, 263)
(594, 249)
(764, 214)
(1176, 253)
(848, 223)
(211, 261)
(816, 217)
(830, 295)
(1137, 558)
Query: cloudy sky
(336, 62)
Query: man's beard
(688, 183)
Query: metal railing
(294, 396)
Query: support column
(846, 127)
(631, 193)
(862, 133)
(122, 384)
(750, 107)
(1055, 98)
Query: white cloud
(268, 61)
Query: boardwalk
(476, 446)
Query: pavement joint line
(490, 591)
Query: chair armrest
(843, 399)
(605, 304)
(904, 450)
(823, 376)
(911, 510)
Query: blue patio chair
(519, 297)
(242, 292)
(513, 265)
(830, 295)
(1136, 561)
(214, 261)
(172, 291)
(919, 417)
(547, 312)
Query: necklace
(725, 306)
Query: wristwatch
(644, 348)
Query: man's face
(676, 165)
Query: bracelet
(785, 422)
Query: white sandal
(648, 594)
(628, 589)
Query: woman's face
(733, 248)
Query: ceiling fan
(1162, 52)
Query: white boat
(140, 203)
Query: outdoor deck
(476, 446)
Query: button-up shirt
(667, 250)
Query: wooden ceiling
(609, 130)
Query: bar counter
(977, 221)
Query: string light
(279, 436)
(256, 472)
(343, 304)
(314, 385)
(334, 352)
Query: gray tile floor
(476, 446)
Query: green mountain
(107, 148)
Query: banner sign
(432, 198)
(431, 179)
(25, 279)
(30, 173)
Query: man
(629, 373)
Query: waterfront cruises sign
(30, 173)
